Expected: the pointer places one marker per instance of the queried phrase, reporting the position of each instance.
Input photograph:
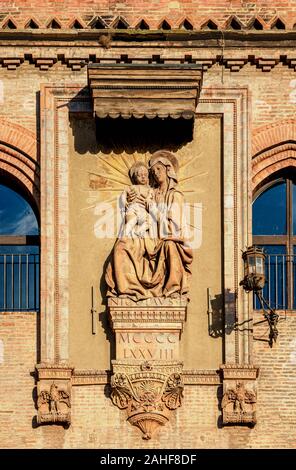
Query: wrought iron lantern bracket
(254, 281)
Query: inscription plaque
(147, 345)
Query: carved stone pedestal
(147, 380)
(239, 394)
(149, 329)
(54, 393)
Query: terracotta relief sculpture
(148, 396)
(238, 403)
(151, 257)
(53, 404)
(138, 222)
(147, 281)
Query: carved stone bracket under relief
(54, 394)
(147, 380)
(148, 392)
(239, 394)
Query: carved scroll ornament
(147, 396)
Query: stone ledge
(153, 302)
(157, 312)
(54, 371)
(239, 371)
(102, 377)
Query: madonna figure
(158, 266)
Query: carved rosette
(239, 394)
(54, 394)
(148, 392)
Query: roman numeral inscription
(147, 345)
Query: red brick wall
(276, 407)
(197, 11)
(18, 340)
(96, 422)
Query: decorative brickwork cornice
(192, 14)
(46, 54)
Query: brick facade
(197, 424)
(268, 75)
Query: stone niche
(147, 380)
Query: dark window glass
(16, 214)
(19, 261)
(269, 211)
(19, 278)
(294, 276)
(294, 208)
(275, 290)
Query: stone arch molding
(18, 156)
(273, 149)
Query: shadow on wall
(219, 400)
(220, 323)
(103, 316)
(142, 135)
(216, 317)
(231, 323)
(130, 136)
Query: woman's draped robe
(153, 267)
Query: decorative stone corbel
(147, 380)
(54, 393)
(239, 394)
(148, 392)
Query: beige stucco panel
(198, 349)
(98, 178)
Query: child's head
(139, 173)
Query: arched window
(19, 251)
(274, 229)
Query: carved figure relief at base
(238, 403)
(54, 403)
(148, 393)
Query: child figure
(137, 219)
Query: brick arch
(272, 135)
(18, 157)
(271, 161)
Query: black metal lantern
(254, 281)
(254, 269)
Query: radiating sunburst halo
(107, 183)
